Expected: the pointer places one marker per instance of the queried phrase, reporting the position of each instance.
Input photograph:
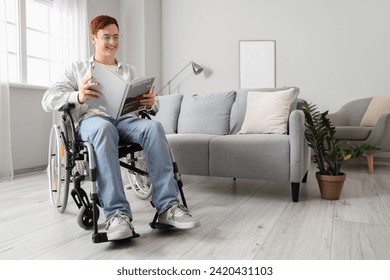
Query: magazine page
(113, 89)
(135, 91)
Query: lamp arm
(169, 82)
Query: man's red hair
(102, 21)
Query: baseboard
(29, 170)
(5, 176)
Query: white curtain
(6, 168)
(71, 40)
(71, 29)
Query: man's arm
(65, 90)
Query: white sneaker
(179, 217)
(119, 227)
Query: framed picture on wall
(257, 63)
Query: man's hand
(86, 93)
(148, 99)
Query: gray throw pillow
(206, 113)
(168, 112)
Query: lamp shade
(196, 68)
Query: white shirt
(66, 89)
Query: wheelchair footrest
(102, 237)
(157, 225)
(99, 237)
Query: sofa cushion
(378, 105)
(265, 156)
(353, 133)
(168, 113)
(239, 106)
(206, 113)
(191, 152)
(267, 112)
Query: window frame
(21, 48)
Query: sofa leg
(295, 191)
(370, 162)
(305, 177)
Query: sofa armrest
(299, 149)
(380, 134)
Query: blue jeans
(105, 134)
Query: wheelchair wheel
(140, 184)
(58, 174)
(85, 217)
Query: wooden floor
(251, 219)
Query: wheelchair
(71, 161)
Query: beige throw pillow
(267, 112)
(378, 105)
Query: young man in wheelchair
(105, 134)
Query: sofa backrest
(351, 113)
(239, 107)
(196, 113)
(215, 113)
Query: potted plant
(330, 153)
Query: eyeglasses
(107, 38)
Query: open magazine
(119, 97)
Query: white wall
(335, 51)
(141, 29)
(30, 128)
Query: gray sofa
(202, 130)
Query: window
(30, 44)
(12, 19)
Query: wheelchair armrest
(67, 107)
(145, 114)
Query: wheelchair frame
(65, 155)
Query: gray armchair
(347, 122)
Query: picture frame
(257, 62)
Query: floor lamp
(196, 68)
